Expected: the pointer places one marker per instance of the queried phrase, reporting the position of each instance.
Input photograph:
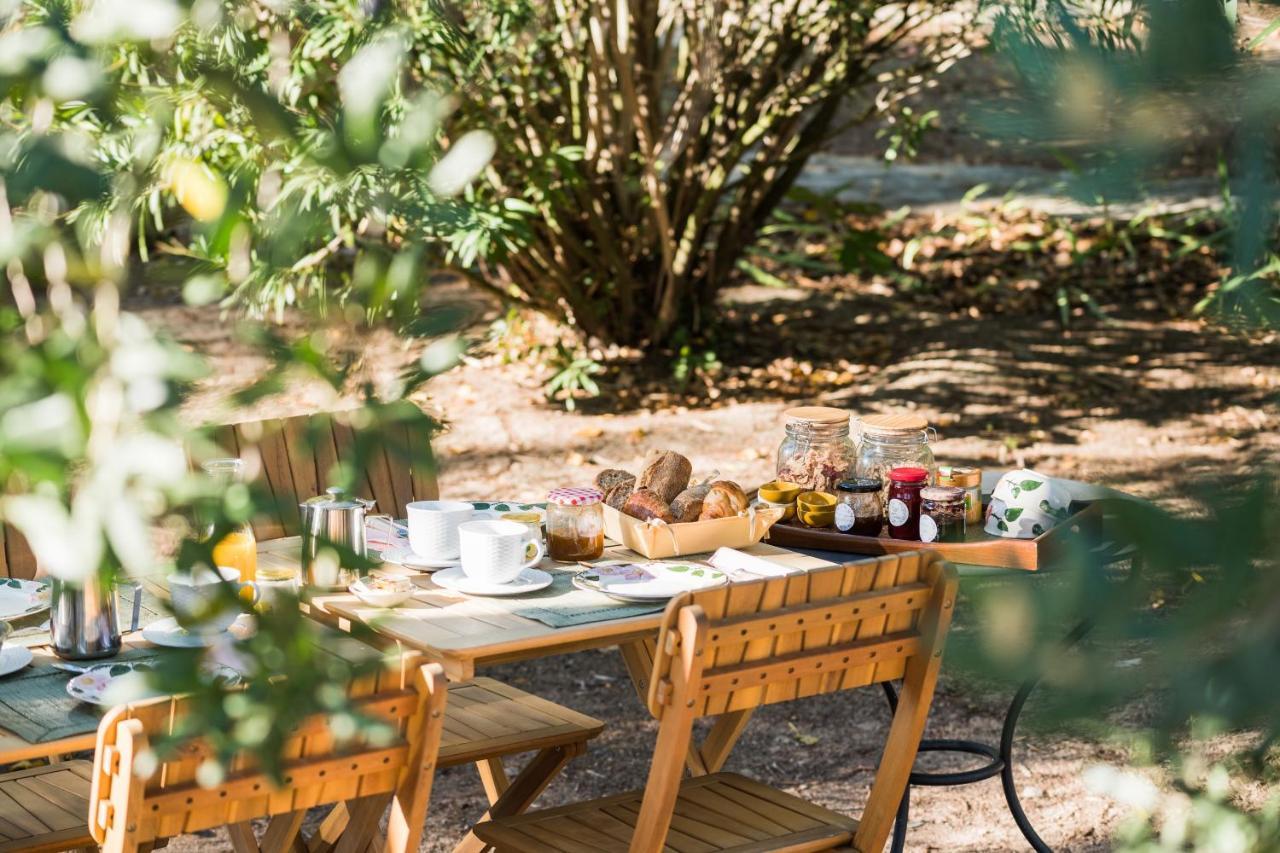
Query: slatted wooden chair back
(16, 559)
(778, 639)
(296, 457)
(131, 805)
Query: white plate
(167, 632)
(13, 658)
(625, 599)
(20, 598)
(110, 684)
(530, 580)
(405, 557)
(380, 597)
(652, 581)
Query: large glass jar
(575, 524)
(893, 441)
(239, 548)
(817, 451)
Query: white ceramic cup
(433, 527)
(192, 596)
(496, 551)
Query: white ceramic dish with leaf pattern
(19, 598)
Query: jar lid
(908, 475)
(333, 498)
(859, 485)
(942, 494)
(575, 496)
(958, 475)
(897, 423)
(827, 415)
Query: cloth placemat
(34, 630)
(562, 605)
(35, 706)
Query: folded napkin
(735, 564)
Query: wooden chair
(43, 809)
(133, 806)
(294, 457)
(726, 651)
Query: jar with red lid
(904, 502)
(575, 524)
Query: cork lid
(816, 415)
(897, 423)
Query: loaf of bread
(667, 476)
(725, 499)
(688, 505)
(645, 504)
(617, 496)
(610, 477)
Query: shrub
(642, 145)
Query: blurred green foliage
(279, 154)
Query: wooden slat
(797, 666)
(277, 470)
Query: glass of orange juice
(238, 549)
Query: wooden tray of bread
(979, 548)
(660, 513)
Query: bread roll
(688, 505)
(645, 504)
(667, 476)
(610, 477)
(725, 499)
(617, 496)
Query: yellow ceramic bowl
(816, 517)
(788, 509)
(816, 500)
(780, 492)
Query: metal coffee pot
(332, 519)
(83, 619)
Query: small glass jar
(893, 441)
(904, 502)
(858, 511)
(942, 514)
(969, 479)
(575, 524)
(817, 451)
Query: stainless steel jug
(337, 519)
(83, 621)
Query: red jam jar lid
(579, 496)
(908, 475)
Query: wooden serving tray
(979, 548)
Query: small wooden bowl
(780, 492)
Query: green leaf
(678, 568)
(120, 669)
(1012, 513)
(1031, 485)
(1000, 524)
(502, 507)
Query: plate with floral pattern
(652, 581)
(110, 684)
(20, 598)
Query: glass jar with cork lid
(896, 440)
(817, 451)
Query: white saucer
(13, 658)
(530, 580)
(167, 632)
(404, 556)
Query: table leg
(347, 822)
(520, 793)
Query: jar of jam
(904, 502)
(575, 524)
(942, 514)
(969, 479)
(858, 508)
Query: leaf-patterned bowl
(19, 598)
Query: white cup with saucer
(433, 528)
(496, 551)
(196, 596)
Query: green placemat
(34, 630)
(562, 605)
(34, 704)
